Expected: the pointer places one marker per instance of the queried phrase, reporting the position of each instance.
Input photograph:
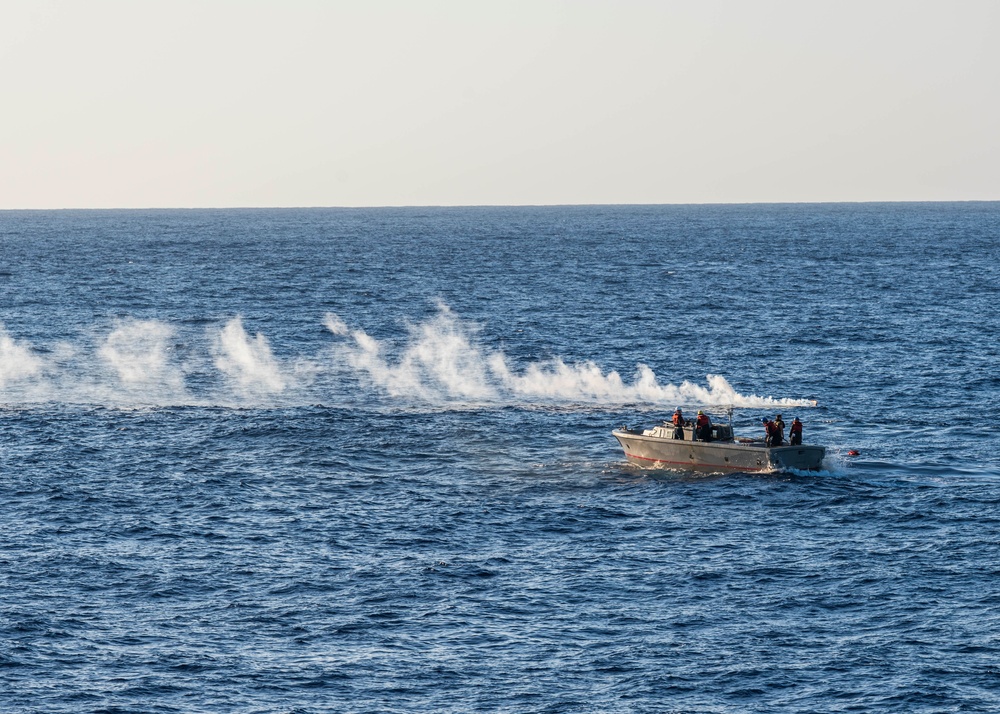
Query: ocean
(360, 460)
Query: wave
(440, 362)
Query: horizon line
(403, 206)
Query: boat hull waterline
(720, 456)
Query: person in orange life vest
(780, 424)
(795, 432)
(703, 427)
(678, 424)
(772, 432)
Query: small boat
(657, 447)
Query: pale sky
(222, 103)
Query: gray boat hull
(717, 456)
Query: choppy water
(360, 460)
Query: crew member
(771, 430)
(780, 424)
(678, 424)
(795, 432)
(703, 426)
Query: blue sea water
(359, 460)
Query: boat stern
(797, 458)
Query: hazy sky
(448, 102)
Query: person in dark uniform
(678, 421)
(771, 431)
(703, 427)
(780, 424)
(795, 432)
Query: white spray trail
(441, 361)
(138, 351)
(17, 361)
(247, 362)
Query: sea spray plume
(247, 362)
(441, 360)
(17, 361)
(138, 352)
(721, 392)
(438, 361)
(365, 356)
(445, 352)
(557, 380)
(587, 383)
(334, 324)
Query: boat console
(720, 432)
